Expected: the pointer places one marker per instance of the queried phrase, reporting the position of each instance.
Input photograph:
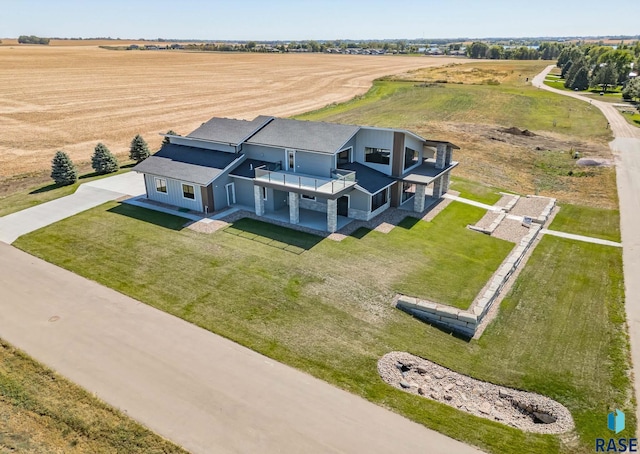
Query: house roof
(229, 130)
(247, 168)
(304, 135)
(434, 143)
(195, 165)
(367, 178)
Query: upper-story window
(410, 157)
(377, 155)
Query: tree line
(24, 39)
(545, 51)
(592, 65)
(64, 172)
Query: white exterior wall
(174, 193)
(414, 144)
(375, 139)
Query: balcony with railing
(339, 181)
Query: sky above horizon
(314, 19)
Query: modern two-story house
(274, 164)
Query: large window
(161, 185)
(188, 192)
(379, 199)
(344, 157)
(410, 157)
(408, 191)
(377, 155)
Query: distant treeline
(545, 51)
(24, 39)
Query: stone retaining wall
(489, 230)
(511, 203)
(546, 212)
(466, 322)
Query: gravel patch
(530, 206)
(510, 230)
(487, 220)
(207, 226)
(504, 200)
(523, 410)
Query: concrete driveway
(88, 195)
(626, 148)
(198, 389)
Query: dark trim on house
(397, 162)
(207, 198)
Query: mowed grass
(588, 221)
(475, 191)
(27, 198)
(327, 310)
(42, 412)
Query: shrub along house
(274, 164)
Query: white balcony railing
(340, 180)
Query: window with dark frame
(161, 185)
(308, 197)
(378, 199)
(377, 155)
(264, 193)
(188, 192)
(408, 191)
(410, 157)
(344, 157)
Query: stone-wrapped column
(437, 188)
(294, 207)
(418, 199)
(257, 195)
(446, 178)
(441, 155)
(448, 156)
(332, 215)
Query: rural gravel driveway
(626, 149)
(88, 195)
(189, 385)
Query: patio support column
(445, 181)
(294, 207)
(448, 156)
(257, 195)
(418, 199)
(332, 215)
(437, 188)
(441, 155)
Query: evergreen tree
(170, 132)
(103, 161)
(139, 149)
(63, 171)
(571, 74)
(566, 68)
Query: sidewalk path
(189, 385)
(88, 195)
(626, 148)
(588, 239)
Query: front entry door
(343, 206)
(231, 194)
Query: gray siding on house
(174, 193)
(202, 144)
(244, 192)
(278, 199)
(415, 144)
(220, 191)
(263, 153)
(359, 200)
(314, 163)
(374, 138)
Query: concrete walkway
(88, 195)
(198, 389)
(471, 202)
(587, 239)
(626, 148)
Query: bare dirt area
(71, 97)
(539, 162)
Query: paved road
(626, 148)
(200, 390)
(88, 195)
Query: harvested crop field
(71, 97)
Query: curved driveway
(626, 148)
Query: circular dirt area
(520, 409)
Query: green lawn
(475, 191)
(588, 221)
(42, 412)
(21, 200)
(409, 106)
(326, 310)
